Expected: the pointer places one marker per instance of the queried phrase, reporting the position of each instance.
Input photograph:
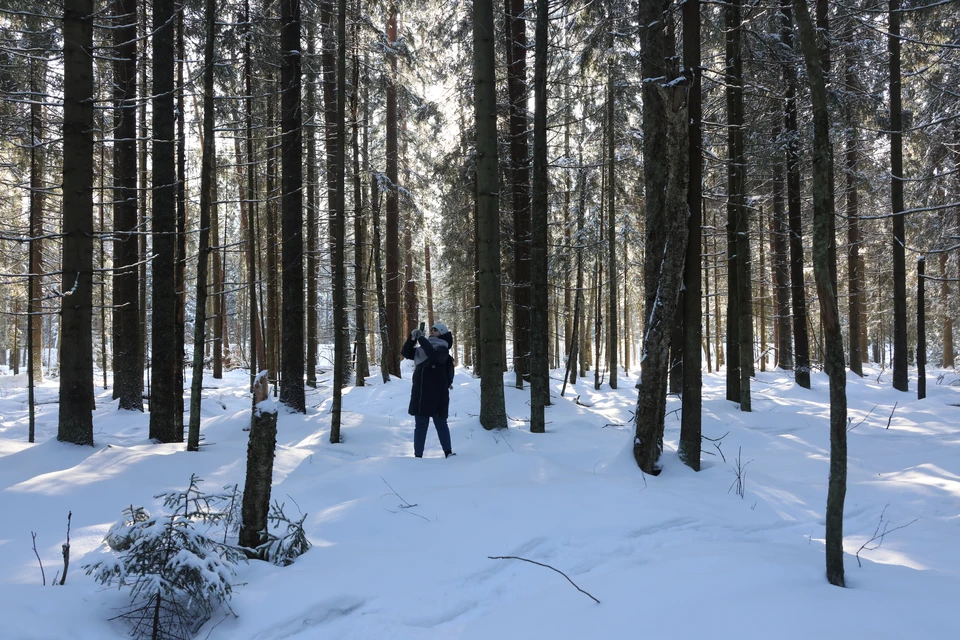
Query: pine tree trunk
(382, 316)
(539, 304)
(690, 420)
(665, 134)
(313, 263)
(493, 413)
(854, 275)
(947, 321)
(38, 84)
(291, 193)
(823, 212)
(518, 173)
(145, 192)
(221, 342)
(76, 363)
(392, 247)
(272, 270)
(207, 205)
(801, 350)
(166, 420)
(613, 313)
(359, 230)
(921, 332)
(341, 337)
(779, 264)
(900, 377)
(743, 316)
(181, 259)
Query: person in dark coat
(432, 381)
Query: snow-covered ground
(678, 555)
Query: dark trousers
(420, 433)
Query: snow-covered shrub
(176, 572)
(286, 539)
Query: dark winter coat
(432, 378)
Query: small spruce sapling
(176, 571)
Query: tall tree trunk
(493, 414)
(166, 419)
(145, 193)
(779, 264)
(823, 212)
(221, 341)
(180, 269)
(947, 360)
(392, 205)
(900, 379)
(207, 204)
(613, 333)
(382, 317)
(291, 158)
(359, 230)
(921, 332)
(740, 312)
(313, 263)
(257, 347)
(539, 330)
(428, 276)
(854, 276)
(341, 347)
(272, 270)
(567, 236)
(801, 345)
(665, 134)
(690, 422)
(823, 45)
(518, 173)
(38, 82)
(38, 166)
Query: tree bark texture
(740, 312)
(493, 413)
(613, 333)
(291, 159)
(855, 287)
(259, 478)
(359, 233)
(518, 173)
(690, 420)
(900, 378)
(313, 263)
(207, 203)
(76, 306)
(801, 346)
(166, 419)
(921, 332)
(665, 130)
(392, 223)
(823, 212)
(539, 329)
(780, 263)
(38, 165)
(341, 347)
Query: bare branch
(540, 564)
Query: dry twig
(879, 535)
(42, 575)
(540, 564)
(891, 413)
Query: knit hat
(440, 327)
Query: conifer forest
(609, 192)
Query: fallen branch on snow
(540, 564)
